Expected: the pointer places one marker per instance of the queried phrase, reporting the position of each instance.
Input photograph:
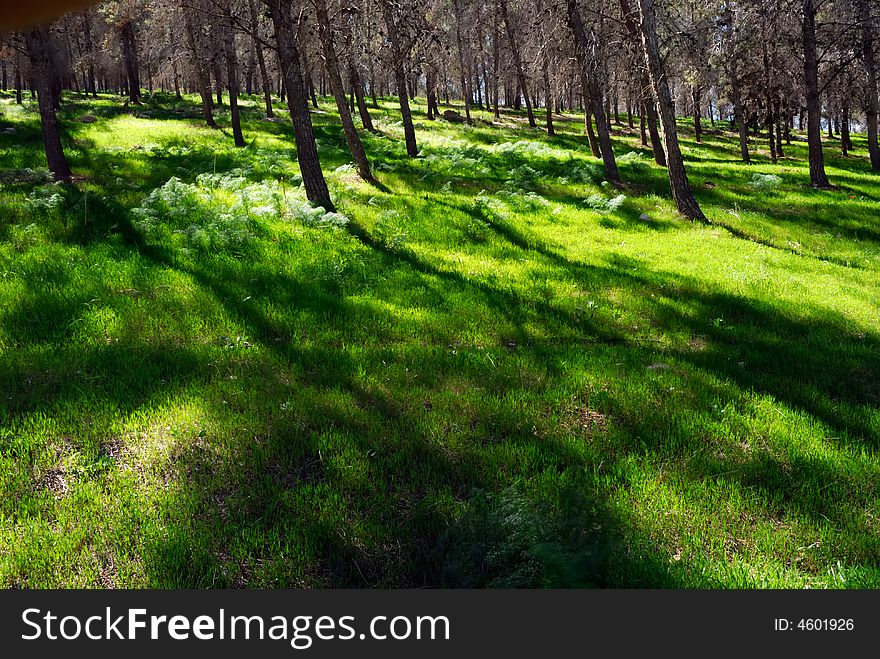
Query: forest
(441, 293)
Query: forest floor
(491, 370)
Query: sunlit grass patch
(206, 382)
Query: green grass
(488, 376)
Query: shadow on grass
(808, 365)
(346, 458)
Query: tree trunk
(681, 190)
(548, 97)
(652, 120)
(231, 57)
(871, 92)
(358, 88)
(588, 124)
(477, 86)
(431, 84)
(818, 178)
(261, 61)
(462, 58)
(39, 47)
(770, 120)
(496, 60)
(780, 120)
(92, 87)
(331, 62)
(643, 134)
(698, 129)
(129, 55)
(18, 85)
(218, 78)
(604, 135)
(310, 83)
(739, 116)
(373, 97)
(201, 73)
(517, 61)
(650, 111)
(845, 141)
(771, 135)
(397, 54)
(584, 45)
(487, 85)
(176, 75)
(306, 148)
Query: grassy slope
(563, 395)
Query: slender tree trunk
(845, 141)
(397, 53)
(39, 47)
(17, 74)
(771, 136)
(261, 60)
(462, 58)
(231, 57)
(431, 85)
(176, 75)
(484, 83)
(90, 48)
(698, 129)
(129, 55)
(650, 111)
(310, 83)
(358, 88)
(771, 120)
(739, 116)
(373, 96)
(548, 97)
(642, 128)
(604, 94)
(218, 78)
(517, 61)
(779, 121)
(604, 135)
(496, 59)
(615, 101)
(871, 92)
(249, 73)
(331, 62)
(818, 178)
(201, 72)
(681, 190)
(588, 121)
(306, 148)
(584, 45)
(652, 120)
